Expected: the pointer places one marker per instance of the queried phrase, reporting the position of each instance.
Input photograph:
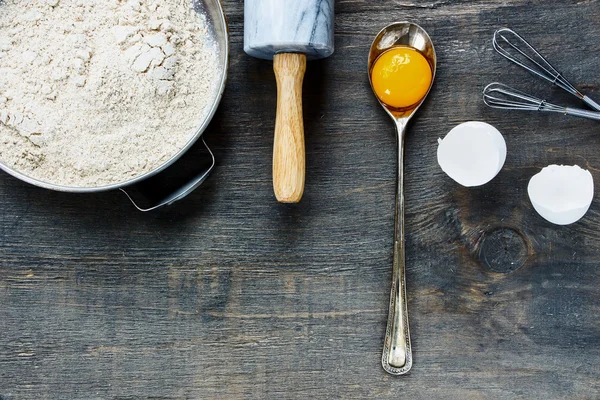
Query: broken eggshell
(561, 194)
(472, 153)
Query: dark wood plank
(230, 295)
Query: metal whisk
(516, 49)
(498, 95)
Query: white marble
(288, 26)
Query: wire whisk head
(512, 46)
(499, 95)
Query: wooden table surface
(229, 295)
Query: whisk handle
(591, 103)
(583, 113)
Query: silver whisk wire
(499, 95)
(513, 47)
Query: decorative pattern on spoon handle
(397, 353)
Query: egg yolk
(401, 77)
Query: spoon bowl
(397, 354)
(405, 34)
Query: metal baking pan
(217, 22)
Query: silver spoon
(397, 355)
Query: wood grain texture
(229, 294)
(289, 154)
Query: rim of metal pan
(218, 23)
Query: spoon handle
(397, 354)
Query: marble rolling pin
(288, 32)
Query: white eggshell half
(561, 194)
(472, 153)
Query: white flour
(94, 92)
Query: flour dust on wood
(96, 92)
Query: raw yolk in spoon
(401, 77)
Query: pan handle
(182, 191)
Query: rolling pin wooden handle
(288, 148)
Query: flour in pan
(95, 92)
